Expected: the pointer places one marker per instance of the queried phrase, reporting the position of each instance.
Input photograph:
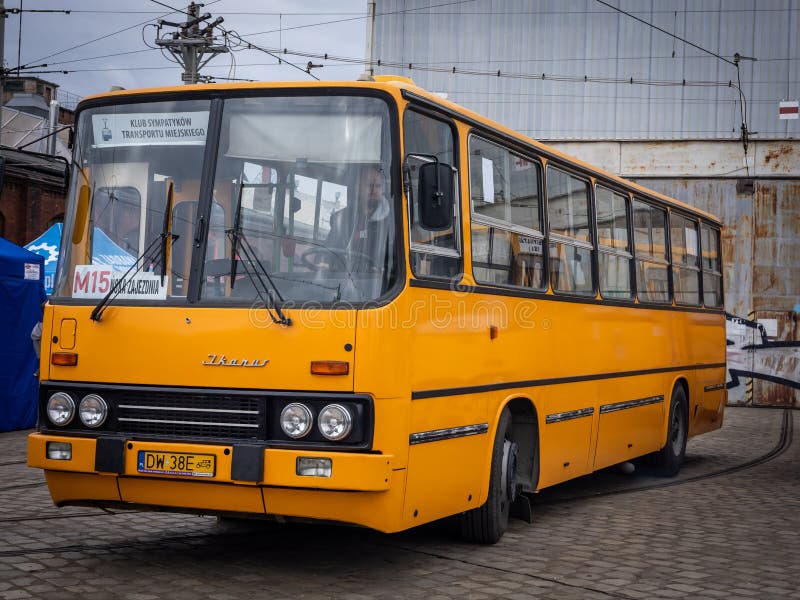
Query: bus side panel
(628, 431)
(708, 395)
(565, 433)
(445, 478)
(712, 396)
(447, 475)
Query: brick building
(33, 193)
(33, 183)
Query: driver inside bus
(362, 229)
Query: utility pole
(193, 41)
(370, 50)
(3, 16)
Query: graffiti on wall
(752, 354)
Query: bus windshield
(302, 208)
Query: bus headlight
(296, 420)
(60, 409)
(93, 410)
(335, 422)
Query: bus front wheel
(488, 523)
(670, 457)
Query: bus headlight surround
(60, 409)
(296, 420)
(335, 422)
(93, 410)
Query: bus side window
(652, 266)
(507, 238)
(685, 259)
(433, 253)
(570, 235)
(712, 266)
(613, 244)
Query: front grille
(192, 416)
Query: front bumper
(362, 488)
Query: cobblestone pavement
(734, 535)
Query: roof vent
(394, 79)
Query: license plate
(176, 463)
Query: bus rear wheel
(670, 457)
(488, 523)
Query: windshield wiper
(235, 233)
(166, 230)
(265, 286)
(164, 239)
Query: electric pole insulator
(192, 45)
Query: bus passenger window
(712, 266)
(613, 244)
(507, 238)
(652, 266)
(570, 237)
(685, 260)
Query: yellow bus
(359, 302)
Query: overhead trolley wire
(364, 16)
(664, 31)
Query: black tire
(670, 458)
(488, 523)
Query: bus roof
(397, 83)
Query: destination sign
(150, 129)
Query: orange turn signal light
(64, 359)
(329, 367)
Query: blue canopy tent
(47, 246)
(105, 252)
(21, 298)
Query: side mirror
(436, 196)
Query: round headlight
(335, 422)
(93, 410)
(296, 420)
(60, 409)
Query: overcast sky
(50, 38)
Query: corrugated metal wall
(580, 38)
